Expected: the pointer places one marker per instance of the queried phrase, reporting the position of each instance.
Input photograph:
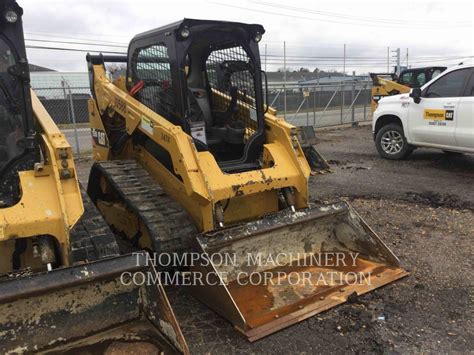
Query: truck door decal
(438, 115)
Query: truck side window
(470, 86)
(449, 85)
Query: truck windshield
(11, 129)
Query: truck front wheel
(391, 142)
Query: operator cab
(418, 77)
(205, 76)
(16, 122)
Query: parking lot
(423, 208)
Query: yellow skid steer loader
(387, 84)
(190, 157)
(63, 285)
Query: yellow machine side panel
(196, 180)
(37, 213)
(51, 201)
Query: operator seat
(218, 124)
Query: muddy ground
(423, 208)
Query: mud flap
(266, 275)
(307, 139)
(87, 306)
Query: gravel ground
(427, 176)
(423, 208)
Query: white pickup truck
(440, 114)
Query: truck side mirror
(416, 95)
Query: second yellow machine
(190, 156)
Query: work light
(185, 32)
(11, 16)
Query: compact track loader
(387, 84)
(62, 282)
(190, 157)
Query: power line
(361, 59)
(323, 20)
(55, 34)
(274, 56)
(360, 18)
(73, 49)
(275, 62)
(80, 43)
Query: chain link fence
(65, 104)
(317, 105)
(322, 105)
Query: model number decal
(99, 137)
(120, 105)
(438, 115)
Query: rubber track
(170, 226)
(91, 238)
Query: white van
(440, 114)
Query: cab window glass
(152, 66)
(436, 72)
(420, 80)
(449, 85)
(11, 130)
(406, 78)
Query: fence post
(307, 108)
(342, 101)
(314, 106)
(72, 114)
(365, 103)
(354, 123)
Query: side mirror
(416, 95)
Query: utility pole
(397, 55)
(354, 124)
(284, 79)
(398, 61)
(388, 59)
(407, 58)
(343, 82)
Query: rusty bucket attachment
(88, 307)
(307, 139)
(266, 275)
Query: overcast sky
(435, 32)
